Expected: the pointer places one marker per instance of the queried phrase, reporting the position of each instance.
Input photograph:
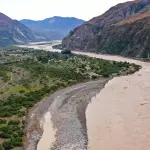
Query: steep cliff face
(13, 32)
(124, 29)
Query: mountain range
(54, 28)
(24, 31)
(123, 30)
(13, 32)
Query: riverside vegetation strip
(27, 75)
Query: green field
(27, 75)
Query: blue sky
(40, 9)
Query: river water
(118, 118)
(49, 132)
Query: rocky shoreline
(67, 108)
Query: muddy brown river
(118, 118)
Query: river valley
(117, 118)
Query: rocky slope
(124, 29)
(54, 28)
(13, 32)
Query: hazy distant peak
(53, 28)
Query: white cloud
(40, 9)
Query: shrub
(3, 121)
(11, 143)
(105, 74)
(1, 147)
(94, 76)
(13, 122)
(16, 142)
(21, 113)
(22, 91)
(66, 52)
(8, 131)
(7, 145)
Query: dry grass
(134, 18)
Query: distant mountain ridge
(54, 28)
(124, 29)
(17, 32)
(13, 32)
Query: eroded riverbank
(65, 126)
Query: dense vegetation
(27, 75)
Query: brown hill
(13, 32)
(124, 29)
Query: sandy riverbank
(120, 120)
